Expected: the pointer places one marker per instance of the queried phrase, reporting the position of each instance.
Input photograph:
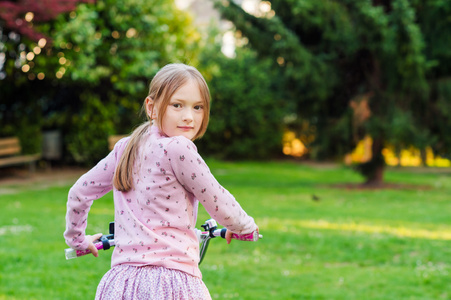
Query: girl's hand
(228, 236)
(91, 246)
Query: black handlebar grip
(223, 232)
(111, 227)
(105, 243)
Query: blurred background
(361, 82)
(330, 123)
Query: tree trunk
(423, 156)
(377, 178)
(376, 166)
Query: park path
(13, 180)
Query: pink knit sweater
(154, 222)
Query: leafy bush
(246, 112)
(87, 140)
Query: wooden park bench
(10, 154)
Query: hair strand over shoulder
(123, 177)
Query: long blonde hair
(165, 83)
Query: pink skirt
(150, 282)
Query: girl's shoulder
(122, 142)
(120, 145)
(179, 144)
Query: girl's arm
(193, 173)
(89, 187)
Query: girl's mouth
(185, 128)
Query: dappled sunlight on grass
(404, 232)
(15, 229)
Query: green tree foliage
(333, 53)
(246, 110)
(434, 20)
(112, 50)
(23, 46)
(97, 68)
(20, 16)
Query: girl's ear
(150, 108)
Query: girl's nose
(188, 116)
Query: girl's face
(185, 112)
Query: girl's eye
(198, 107)
(176, 105)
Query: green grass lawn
(349, 244)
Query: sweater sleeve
(91, 186)
(193, 173)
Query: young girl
(158, 179)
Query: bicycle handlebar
(72, 253)
(211, 231)
(105, 243)
(251, 237)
